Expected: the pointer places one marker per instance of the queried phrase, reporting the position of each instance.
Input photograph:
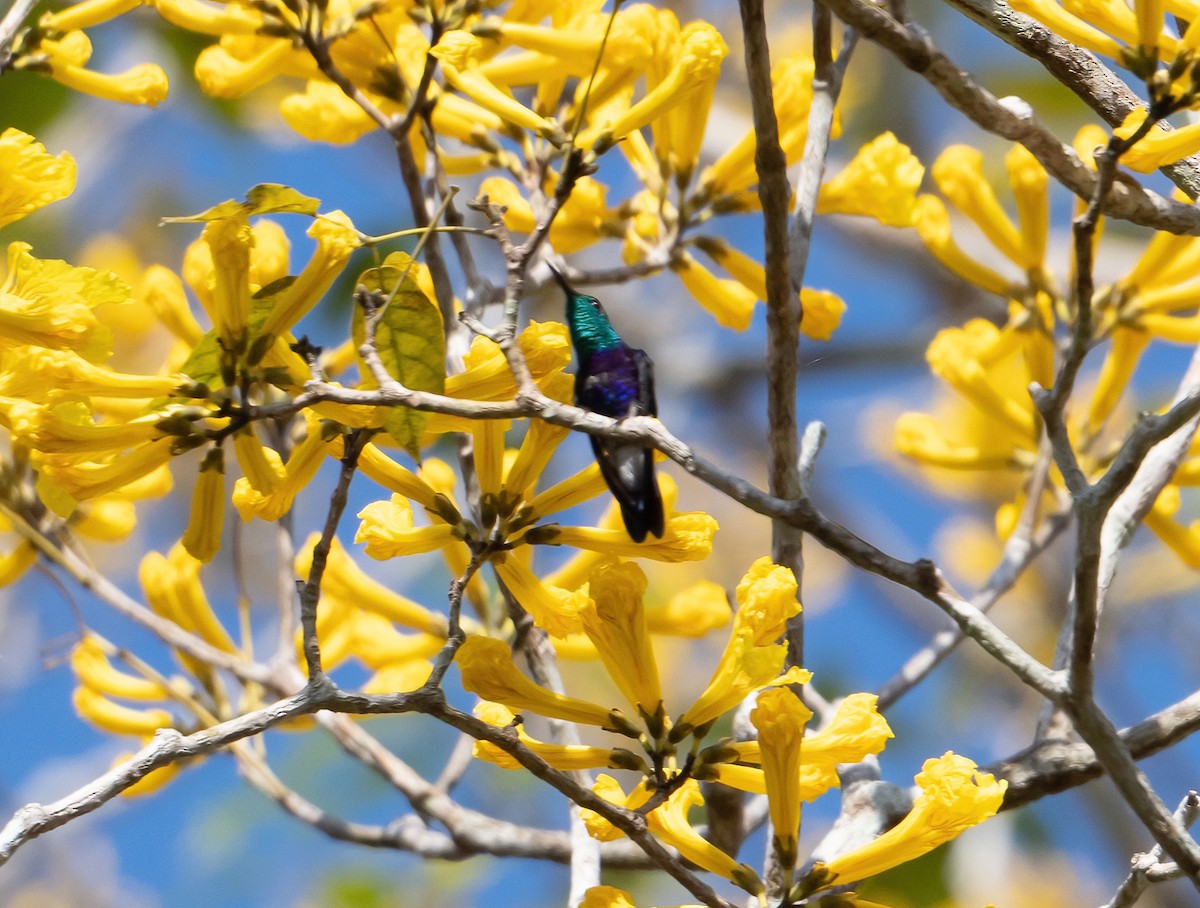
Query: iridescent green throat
(590, 329)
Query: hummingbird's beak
(562, 281)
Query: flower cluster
(991, 425)
(52, 344)
(637, 80)
(57, 46)
(783, 763)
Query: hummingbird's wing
(647, 403)
(629, 469)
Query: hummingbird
(617, 380)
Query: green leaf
(227, 209)
(203, 364)
(271, 198)
(411, 343)
(265, 198)
(261, 304)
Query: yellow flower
(349, 628)
(791, 83)
(669, 822)
(1128, 344)
(567, 757)
(344, 580)
(692, 612)
(1069, 26)
(306, 458)
(679, 136)
(30, 177)
(486, 376)
(766, 598)
(202, 538)
(965, 357)
(606, 897)
(388, 530)
(173, 589)
(401, 677)
(701, 50)
(89, 661)
(555, 610)
(742, 669)
(539, 444)
(109, 519)
(86, 14)
(459, 53)
(583, 220)
(15, 563)
(47, 303)
(238, 65)
(145, 83)
(84, 479)
(821, 313)
(921, 437)
(1158, 147)
(614, 621)
(336, 240)
(488, 672)
(881, 182)
(730, 302)
(323, 113)
(855, 731)
(35, 373)
(209, 18)
(780, 718)
(688, 537)
(108, 715)
(1183, 541)
(954, 797)
(958, 172)
(932, 222)
(229, 241)
(163, 292)
(262, 466)
(1029, 182)
(821, 310)
(67, 428)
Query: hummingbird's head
(590, 328)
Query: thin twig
(310, 592)
(1143, 865)
(168, 746)
(1019, 552)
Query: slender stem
(783, 304)
(1139, 877)
(310, 592)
